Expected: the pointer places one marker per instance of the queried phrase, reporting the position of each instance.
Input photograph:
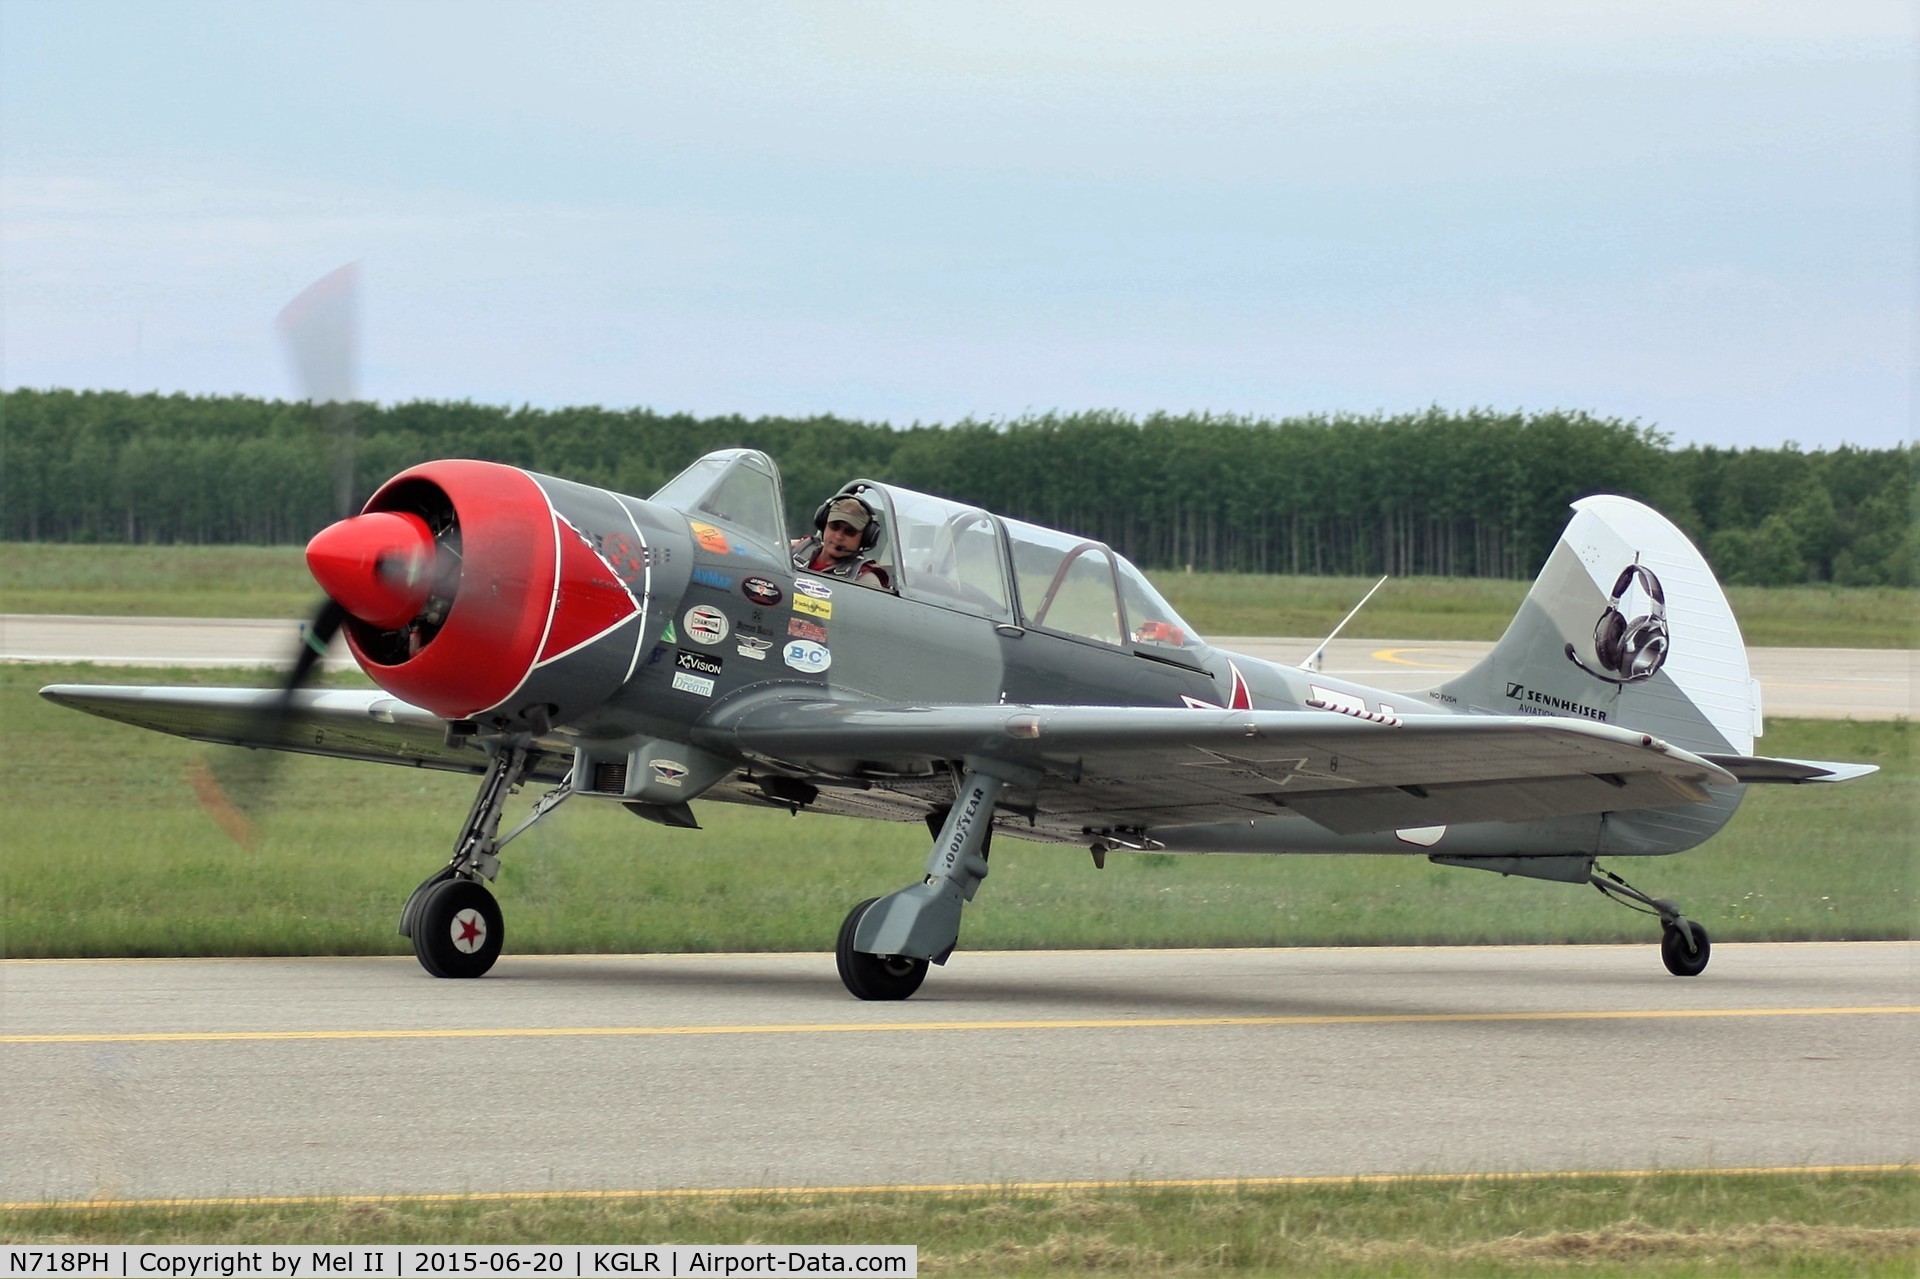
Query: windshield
(1150, 618)
(1080, 587)
(736, 487)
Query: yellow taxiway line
(1393, 655)
(1222, 1185)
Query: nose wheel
(458, 930)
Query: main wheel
(874, 976)
(1674, 952)
(458, 930)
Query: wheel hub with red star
(469, 931)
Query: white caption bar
(565, 1261)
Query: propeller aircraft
(1006, 679)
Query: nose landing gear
(458, 931)
(454, 922)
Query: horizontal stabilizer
(1757, 769)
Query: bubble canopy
(958, 556)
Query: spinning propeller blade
(320, 330)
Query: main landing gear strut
(887, 942)
(453, 920)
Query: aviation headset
(870, 535)
(1632, 650)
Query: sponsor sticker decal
(1534, 702)
(698, 663)
(705, 624)
(801, 628)
(709, 537)
(710, 577)
(805, 655)
(753, 648)
(668, 772)
(807, 586)
(762, 592)
(626, 558)
(693, 683)
(822, 609)
(667, 636)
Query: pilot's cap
(852, 510)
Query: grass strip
(1804, 1222)
(272, 582)
(109, 853)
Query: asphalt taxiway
(1813, 683)
(143, 1079)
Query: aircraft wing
(1109, 767)
(344, 723)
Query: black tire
(1681, 961)
(874, 976)
(458, 930)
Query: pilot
(845, 529)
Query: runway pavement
(1797, 683)
(204, 1078)
(1817, 683)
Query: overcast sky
(1697, 215)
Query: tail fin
(1626, 625)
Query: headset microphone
(1611, 679)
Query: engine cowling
(484, 592)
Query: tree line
(1471, 493)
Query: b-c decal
(805, 655)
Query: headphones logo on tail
(1633, 650)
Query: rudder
(1625, 625)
